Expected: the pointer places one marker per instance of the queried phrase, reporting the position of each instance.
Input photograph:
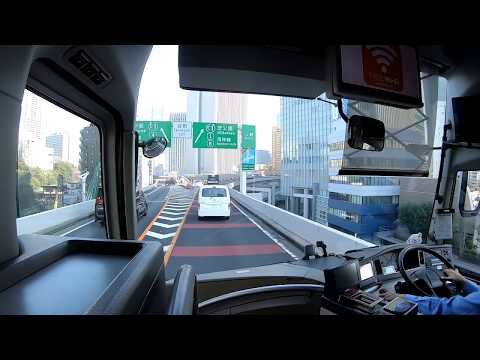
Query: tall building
(201, 107)
(263, 157)
(276, 148)
(55, 142)
(305, 126)
(179, 150)
(90, 153)
(31, 142)
(231, 109)
(221, 108)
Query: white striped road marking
(173, 213)
(166, 226)
(177, 206)
(267, 233)
(173, 209)
(178, 203)
(159, 236)
(170, 218)
(156, 201)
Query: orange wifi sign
(382, 67)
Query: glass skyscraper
(305, 127)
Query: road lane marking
(78, 227)
(149, 226)
(168, 208)
(166, 226)
(173, 213)
(227, 250)
(169, 218)
(218, 226)
(174, 240)
(266, 233)
(160, 236)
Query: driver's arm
(456, 305)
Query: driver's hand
(454, 276)
(387, 295)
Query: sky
(160, 88)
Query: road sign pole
(243, 182)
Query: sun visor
(252, 69)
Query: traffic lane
(96, 229)
(155, 201)
(212, 245)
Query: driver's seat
(184, 293)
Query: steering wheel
(430, 277)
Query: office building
(263, 157)
(221, 108)
(179, 150)
(55, 142)
(276, 148)
(305, 126)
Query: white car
(214, 200)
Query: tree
(416, 217)
(26, 196)
(65, 169)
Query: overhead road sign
(214, 135)
(248, 137)
(150, 129)
(182, 129)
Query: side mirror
(366, 133)
(154, 147)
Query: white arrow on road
(170, 218)
(166, 226)
(198, 136)
(172, 213)
(160, 236)
(174, 209)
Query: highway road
(91, 229)
(208, 245)
(213, 245)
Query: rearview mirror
(154, 147)
(366, 133)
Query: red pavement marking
(230, 250)
(218, 226)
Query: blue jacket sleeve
(470, 287)
(456, 305)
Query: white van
(214, 200)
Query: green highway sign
(215, 135)
(150, 129)
(248, 137)
(248, 159)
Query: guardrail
(52, 220)
(300, 230)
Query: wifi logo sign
(382, 66)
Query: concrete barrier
(52, 220)
(300, 230)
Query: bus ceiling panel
(112, 72)
(252, 69)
